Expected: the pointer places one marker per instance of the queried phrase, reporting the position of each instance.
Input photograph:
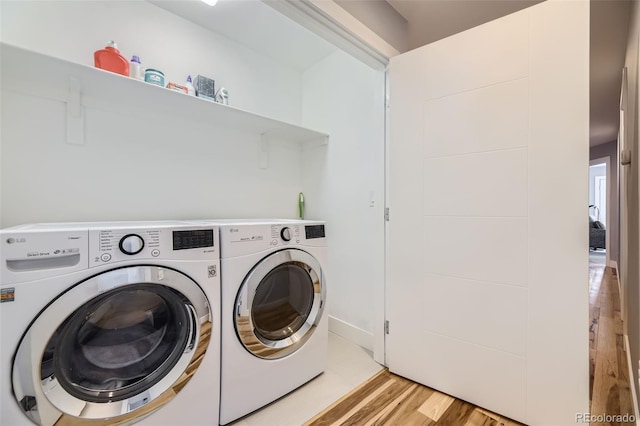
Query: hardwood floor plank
(346, 418)
(369, 410)
(378, 419)
(362, 403)
(489, 414)
(595, 279)
(626, 401)
(624, 385)
(344, 404)
(402, 413)
(606, 305)
(436, 405)
(478, 418)
(505, 421)
(457, 413)
(390, 400)
(612, 285)
(605, 383)
(610, 387)
(415, 418)
(617, 317)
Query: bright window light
(210, 2)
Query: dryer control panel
(248, 238)
(119, 244)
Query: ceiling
(430, 20)
(257, 26)
(609, 23)
(285, 41)
(433, 20)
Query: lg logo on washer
(16, 240)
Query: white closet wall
(344, 184)
(73, 30)
(140, 164)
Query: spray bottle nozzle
(301, 205)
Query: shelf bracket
(263, 161)
(75, 114)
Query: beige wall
(629, 196)
(382, 18)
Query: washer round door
(113, 348)
(280, 304)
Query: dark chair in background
(597, 230)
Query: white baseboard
(632, 380)
(613, 264)
(350, 332)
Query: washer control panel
(131, 244)
(28, 254)
(118, 244)
(285, 233)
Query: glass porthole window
(120, 344)
(280, 304)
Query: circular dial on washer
(131, 244)
(285, 234)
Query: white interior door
(487, 283)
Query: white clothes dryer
(110, 323)
(274, 316)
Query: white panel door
(487, 288)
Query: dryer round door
(113, 348)
(280, 304)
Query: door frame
(330, 21)
(598, 193)
(607, 162)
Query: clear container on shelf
(135, 68)
(189, 85)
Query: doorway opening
(598, 212)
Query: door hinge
(386, 102)
(386, 214)
(386, 326)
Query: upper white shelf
(46, 76)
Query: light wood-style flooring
(387, 399)
(610, 391)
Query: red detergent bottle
(110, 59)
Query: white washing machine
(274, 316)
(110, 324)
